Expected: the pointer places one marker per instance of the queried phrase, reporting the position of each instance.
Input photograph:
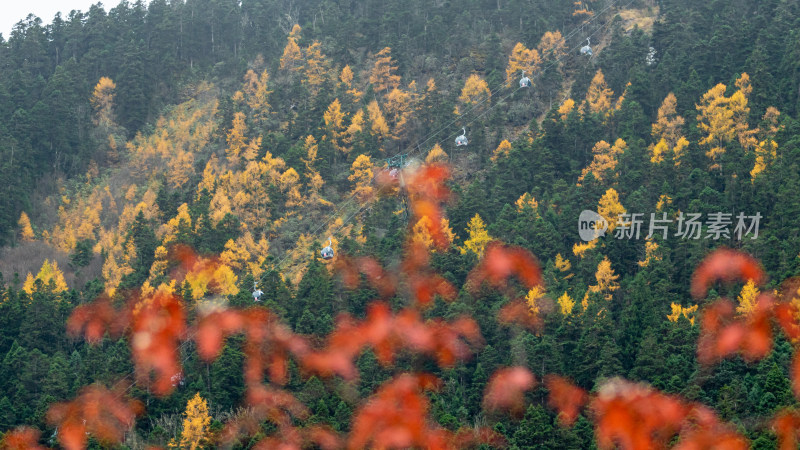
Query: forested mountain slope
(162, 159)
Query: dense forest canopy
(162, 160)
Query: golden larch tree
(382, 76)
(604, 162)
(346, 77)
(565, 304)
(236, 137)
(380, 128)
(420, 232)
(598, 97)
(610, 208)
(477, 238)
(606, 282)
(748, 298)
(334, 125)
(501, 151)
(685, 311)
(49, 272)
(362, 175)
(25, 229)
(316, 67)
(552, 46)
(565, 108)
(292, 58)
(103, 102)
(436, 155)
(195, 423)
(290, 186)
(399, 109)
(722, 119)
(522, 58)
(256, 94)
(532, 298)
(475, 90)
(667, 133)
(767, 149)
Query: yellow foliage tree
(379, 128)
(532, 298)
(256, 94)
(475, 90)
(567, 107)
(722, 119)
(290, 185)
(220, 206)
(316, 67)
(334, 125)
(678, 311)
(436, 155)
(346, 77)
(362, 175)
(667, 133)
(382, 76)
(610, 208)
(604, 161)
(525, 201)
(195, 423)
(747, 298)
(103, 102)
(49, 272)
(767, 148)
(25, 229)
(478, 237)
(420, 232)
(235, 137)
(398, 106)
(606, 282)
(650, 255)
(502, 150)
(552, 46)
(580, 249)
(566, 304)
(521, 58)
(292, 58)
(598, 97)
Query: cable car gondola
(525, 81)
(327, 252)
(587, 49)
(462, 140)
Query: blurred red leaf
(725, 265)
(93, 320)
(158, 325)
(506, 389)
(97, 411)
(518, 312)
(786, 425)
(501, 262)
(703, 430)
(565, 397)
(634, 416)
(396, 416)
(22, 438)
(723, 334)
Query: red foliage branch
(97, 411)
(725, 265)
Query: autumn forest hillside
(163, 159)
